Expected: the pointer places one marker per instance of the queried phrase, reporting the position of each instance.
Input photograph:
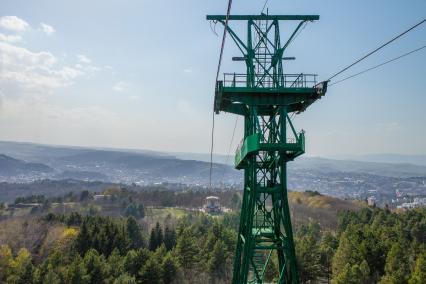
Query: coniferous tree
(151, 272)
(96, 266)
(419, 273)
(152, 240)
(134, 233)
(169, 238)
(135, 259)
(397, 269)
(170, 268)
(217, 261)
(76, 272)
(187, 248)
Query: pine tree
(76, 272)
(217, 261)
(134, 260)
(95, 266)
(186, 249)
(152, 240)
(169, 238)
(151, 272)
(308, 257)
(158, 234)
(170, 268)
(125, 279)
(419, 273)
(397, 269)
(134, 233)
(83, 238)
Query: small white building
(371, 201)
(101, 197)
(212, 204)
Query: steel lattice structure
(265, 97)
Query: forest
(367, 245)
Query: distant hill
(382, 169)
(312, 206)
(118, 165)
(12, 166)
(386, 158)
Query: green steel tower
(266, 98)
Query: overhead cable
(379, 65)
(228, 12)
(377, 49)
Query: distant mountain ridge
(111, 165)
(419, 160)
(144, 167)
(12, 166)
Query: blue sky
(140, 74)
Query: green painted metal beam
(263, 17)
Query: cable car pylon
(265, 97)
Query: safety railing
(254, 142)
(261, 81)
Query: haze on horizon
(140, 74)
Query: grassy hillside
(313, 207)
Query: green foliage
(151, 271)
(353, 274)
(134, 260)
(6, 259)
(370, 246)
(134, 233)
(156, 237)
(387, 242)
(216, 264)
(134, 210)
(170, 268)
(125, 279)
(187, 248)
(76, 272)
(419, 273)
(96, 266)
(397, 266)
(308, 257)
(169, 238)
(22, 269)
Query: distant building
(371, 201)
(212, 204)
(420, 200)
(101, 197)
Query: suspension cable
(217, 77)
(377, 49)
(379, 65)
(230, 146)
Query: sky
(140, 74)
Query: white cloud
(120, 86)
(13, 23)
(187, 70)
(35, 72)
(47, 29)
(10, 38)
(34, 119)
(84, 59)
